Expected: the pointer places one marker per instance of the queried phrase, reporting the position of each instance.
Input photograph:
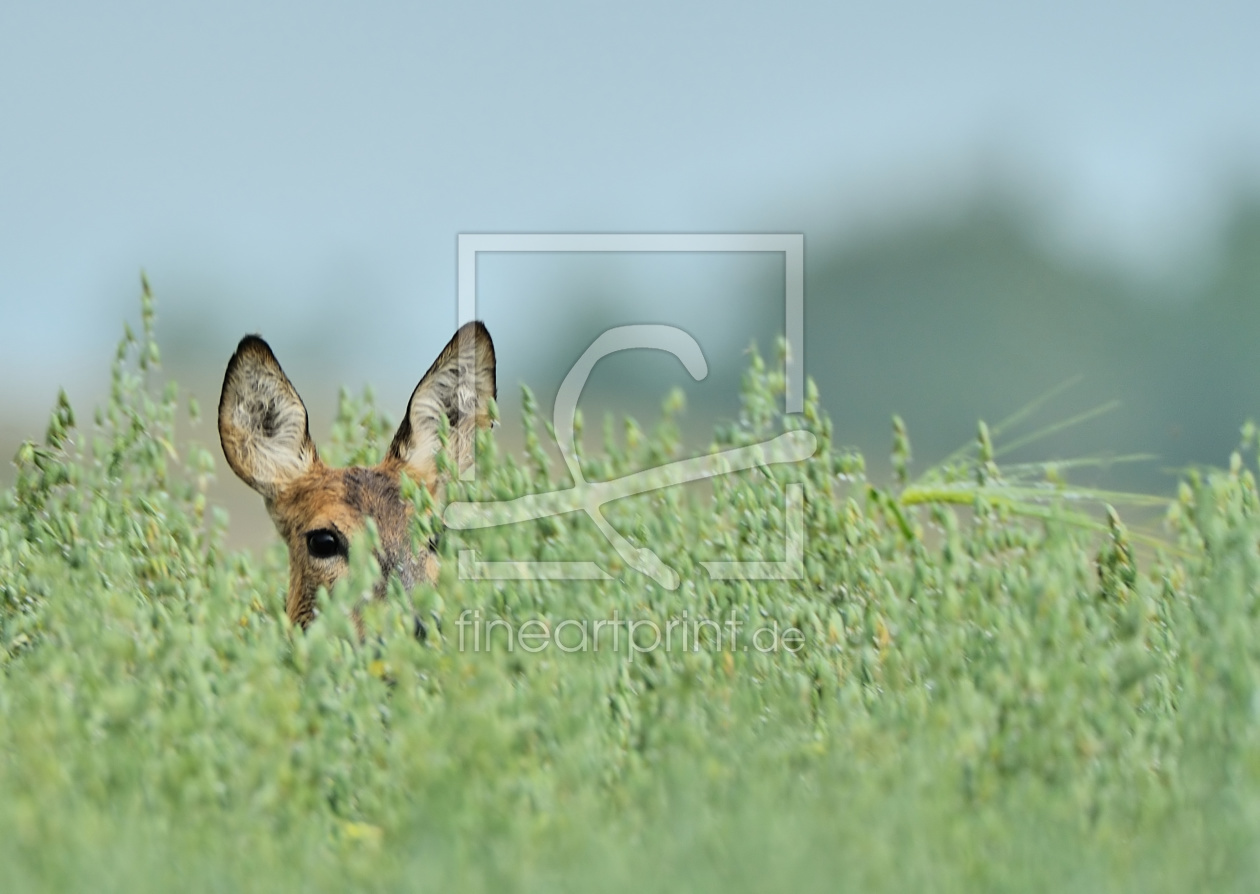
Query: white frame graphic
(790, 447)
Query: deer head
(318, 509)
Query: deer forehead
(326, 497)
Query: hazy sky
(305, 167)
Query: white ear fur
(262, 421)
(458, 385)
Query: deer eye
(326, 543)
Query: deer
(318, 509)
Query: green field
(996, 684)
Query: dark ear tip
(478, 328)
(253, 343)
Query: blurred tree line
(974, 317)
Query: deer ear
(262, 421)
(459, 386)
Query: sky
(304, 169)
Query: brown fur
(266, 439)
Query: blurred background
(995, 198)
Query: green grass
(1011, 694)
